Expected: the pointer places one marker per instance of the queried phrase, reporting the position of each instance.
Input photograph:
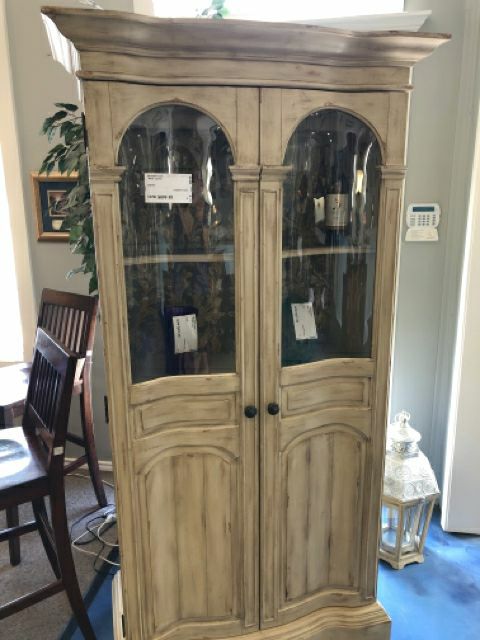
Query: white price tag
(304, 321)
(168, 187)
(185, 333)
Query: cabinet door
(321, 218)
(185, 217)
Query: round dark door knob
(250, 411)
(273, 408)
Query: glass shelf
(186, 257)
(320, 251)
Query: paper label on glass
(304, 321)
(175, 188)
(185, 333)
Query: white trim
(461, 477)
(104, 465)
(144, 7)
(405, 21)
(455, 227)
(117, 606)
(10, 150)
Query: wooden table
(13, 390)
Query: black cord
(104, 569)
(85, 515)
(92, 533)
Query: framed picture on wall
(49, 198)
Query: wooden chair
(32, 467)
(71, 319)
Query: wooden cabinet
(247, 187)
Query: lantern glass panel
(390, 524)
(424, 519)
(411, 524)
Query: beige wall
(420, 338)
(38, 83)
(14, 252)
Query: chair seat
(21, 463)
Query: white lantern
(409, 493)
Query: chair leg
(86, 413)
(65, 560)
(46, 533)
(14, 543)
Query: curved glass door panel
(176, 199)
(330, 215)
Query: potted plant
(69, 156)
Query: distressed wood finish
(196, 469)
(232, 526)
(241, 39)
(322, 455)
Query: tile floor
(438, 600)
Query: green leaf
(50, 167)
(74, 134)
(66, 126)
(58, 147)
(59, 115)
(75, 233)
(47, 123)
(70, 164)
(67, 106)
(93, 284)
(61, 165)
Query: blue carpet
(98, 600)
(437, 600)
(440, 599)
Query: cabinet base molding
(332, 623)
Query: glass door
(325, 173)
(187, 252)
(178, 244)
(329, 234)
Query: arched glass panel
(330, 216)
(176, 200)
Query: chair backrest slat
(47, 405)
(70, 318)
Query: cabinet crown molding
(116, 31)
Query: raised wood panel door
(188, 315)
(322, 217)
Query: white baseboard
(105, 465)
